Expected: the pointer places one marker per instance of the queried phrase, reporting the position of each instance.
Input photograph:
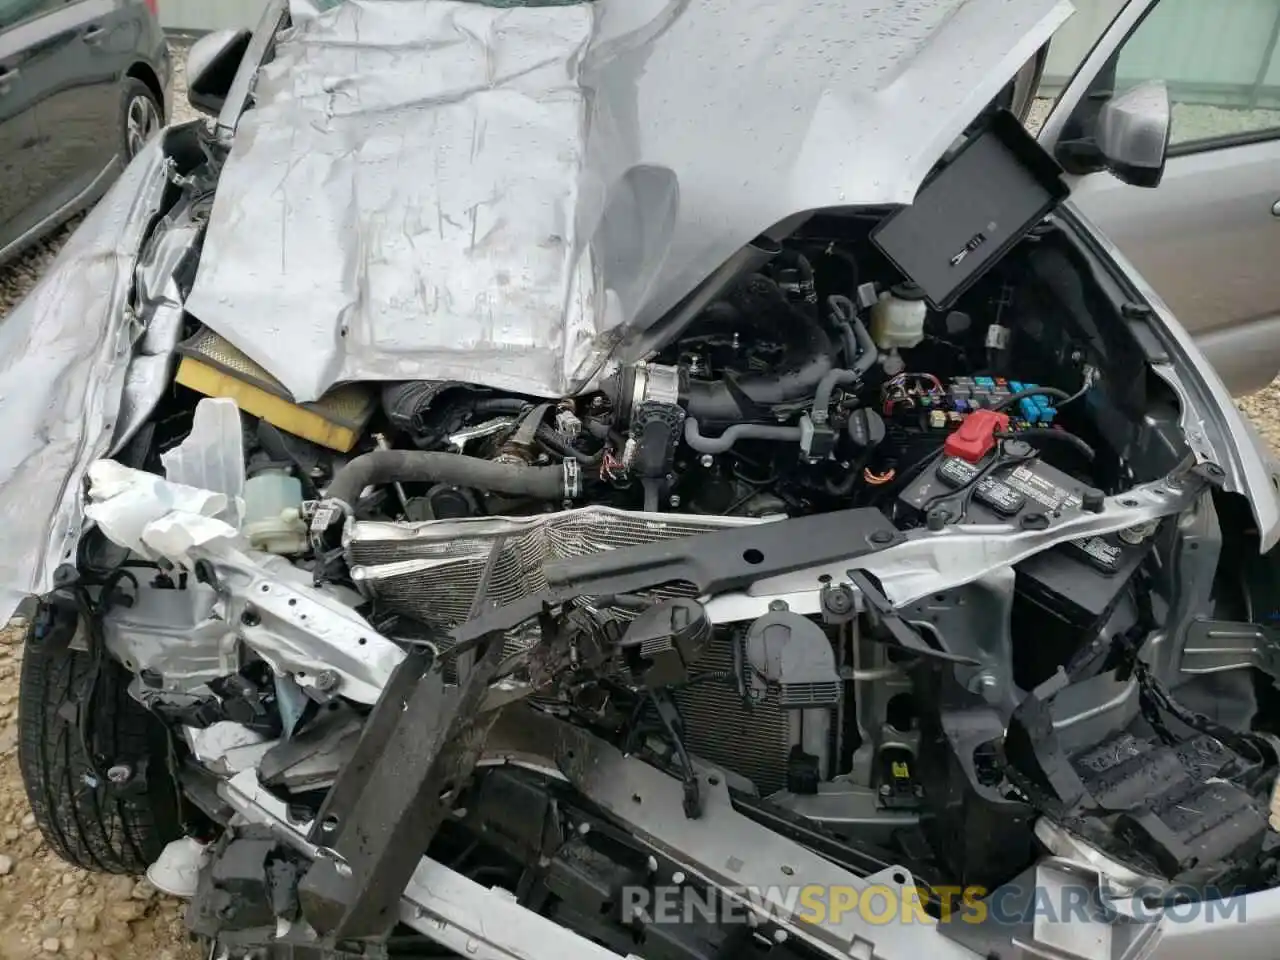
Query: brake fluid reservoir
(273, 513)
(897, 318)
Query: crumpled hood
(498, 194)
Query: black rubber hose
(491, 406)
(847, 338)
(808, 360)
(561, 448)
(739, 431)
(1039, 433)
(822, 398)
(845, 315)
(419, 466)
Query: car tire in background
(94, 825)
(141, 117)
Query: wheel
(141, 117)
(109, 830)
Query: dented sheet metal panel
(449, 189)
(64, 354)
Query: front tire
(96, 828)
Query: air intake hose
(418, 466)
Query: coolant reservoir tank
(273, 513)
(897, 318)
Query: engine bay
(594, 556)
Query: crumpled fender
(64, 354)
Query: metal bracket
(902, 632)
(1215, 646)
(418, 750)
(727, 559)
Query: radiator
(430, 571)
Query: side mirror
(1127, 134)
(212, 64)
(1133, 133)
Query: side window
(1221, 63)
(13, 12)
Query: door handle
(93, 35)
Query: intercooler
(430, 572)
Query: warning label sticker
(1099, 551)
(1042, 490)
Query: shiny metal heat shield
(431, 570)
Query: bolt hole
(753, 556)
(265, 588)
(1128, 502)
(713, 780)
(362, 641)
(301, 675)
(635, 798)
(329, 824)
(788, 870)
(569, 754)
(824, 578)
(293, 602)
(899, 877)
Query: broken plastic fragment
(152, 516)
(177, 868)
(212, 455)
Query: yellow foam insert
(212, 366)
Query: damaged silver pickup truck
(647, 478)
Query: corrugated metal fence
(1209, 50)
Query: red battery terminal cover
(976, 436)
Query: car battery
(1006, 495)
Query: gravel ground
(48, 908)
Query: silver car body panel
(450, 190)
(1206, 237)
(65, 353)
